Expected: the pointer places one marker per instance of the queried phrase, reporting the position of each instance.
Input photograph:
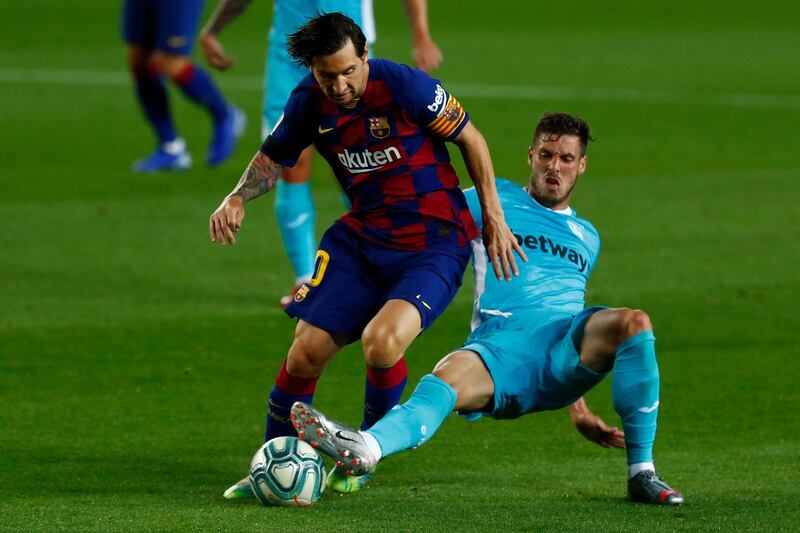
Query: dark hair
(324, 34)
(564, 124)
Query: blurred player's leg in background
(151, 93)
(294, 209)
(160, 37)
(197, 85)
(294, 206)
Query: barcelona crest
(453, 110)
(379, 127)
(301, 293)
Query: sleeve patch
(449, 120)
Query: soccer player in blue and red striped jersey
(294, 205)
(389, 267)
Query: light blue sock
(295, 212)
(635, 389)
(413, 423)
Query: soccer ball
(287, 471)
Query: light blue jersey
(562, 250)
(529, 333)
(527, 330)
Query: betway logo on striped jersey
(368, 160)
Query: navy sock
(152, 96)
(383, 390)
(199, 87)
(287, 390)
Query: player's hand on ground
(426, 55)
(596, 430)
(215, 53)
(500, 245)
(226, 220)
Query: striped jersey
(388, 154)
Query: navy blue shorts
(169, 26)
(354, 278)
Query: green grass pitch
(135, 357)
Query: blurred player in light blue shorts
(533, 347)
(294, 207)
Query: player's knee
(630, 322)
(172, 65)
(303, 360)
(466, 373)
(303, 364)
(382, 346)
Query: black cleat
(647, 487)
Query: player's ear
(582, 164)
(365, 55)
(530, 155)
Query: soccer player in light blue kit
(533, 347)
(294, 207)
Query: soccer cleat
(168, 156)
(346, 483)
(647, 487)
(345, 444)
(226, 133)
(240, 491)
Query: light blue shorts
(282, 74)
(534, 370)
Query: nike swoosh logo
(340, 436)
(298, 221)
(362, 171)
(647, 410)
(428, 307)
(322, 130)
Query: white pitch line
(463, 90)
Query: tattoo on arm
(226, 11)
(259, 177)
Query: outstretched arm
(225, 12)
(259, 177)
(594, 428)
(425, 52)
(498, 239)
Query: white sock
(372, 444)
(635, 468)
(176, 147)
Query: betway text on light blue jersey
(562, 250)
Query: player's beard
(549, 200)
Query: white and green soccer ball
(287, 471)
